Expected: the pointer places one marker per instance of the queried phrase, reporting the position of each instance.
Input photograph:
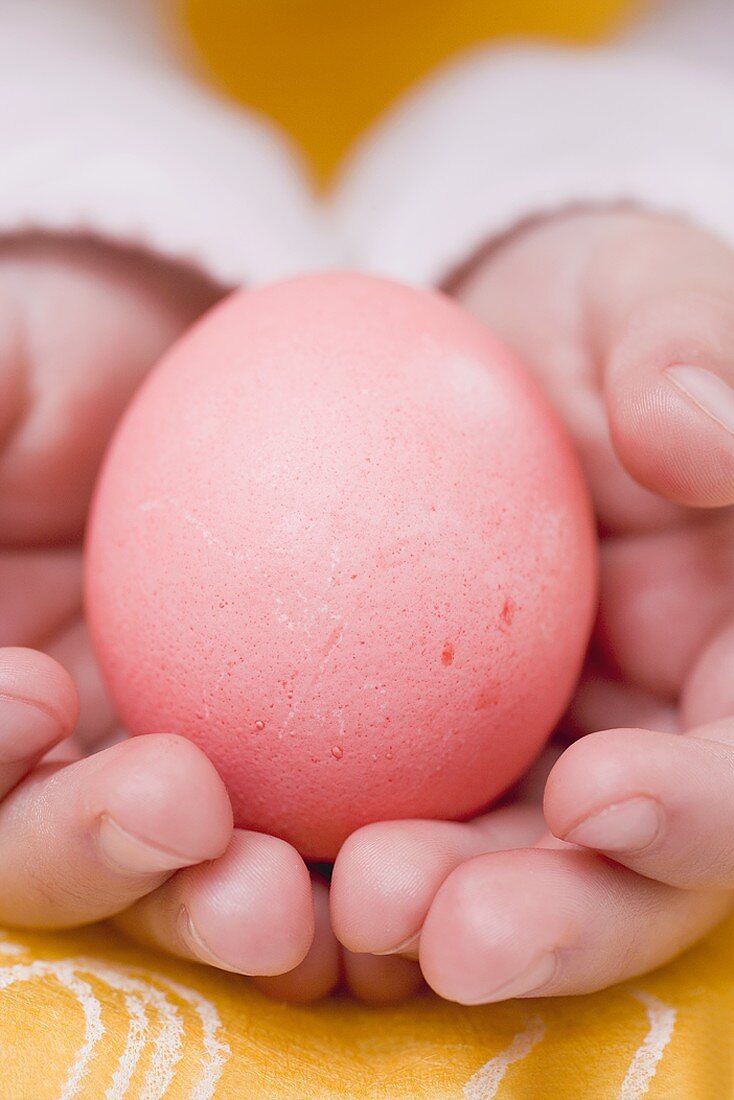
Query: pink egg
(341, 542)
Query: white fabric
(691, 30)
(507, 133)
(136, 28)
(100, 133)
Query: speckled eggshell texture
(341, 543)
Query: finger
(660, 303)
(386, 875)
(248, 911)
(545, 321)
(650, 581)
(661, 803)
(708, 693)
(381, 980)
(38, 709)
(79, 843)
(80, 324)
(320, 971)
(601, 702)
(97, 720)
(40, 592)
(544, 923)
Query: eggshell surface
(341, 543)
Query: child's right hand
(627, 320)
(141, 828)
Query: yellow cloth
(324, 69)
(86, 1015)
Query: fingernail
(624, 827)
(411, 941)
(126, 852)
(708, 391)
(197, 944)
(534, 977)
(26, 730)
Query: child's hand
(628, 323)
(89, 836)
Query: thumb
(660, 306)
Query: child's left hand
(89, 829)
(627, 320)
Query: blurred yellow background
(324, 69)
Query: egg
(341, 542)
